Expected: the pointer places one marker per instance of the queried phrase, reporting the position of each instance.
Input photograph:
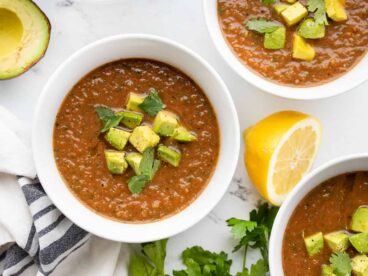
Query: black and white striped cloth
(51, 239)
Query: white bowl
(346, 82)
(346, 164)
(111, 49)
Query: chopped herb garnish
(137, 183)
(152, 104)
(318, 7)
(341, 264)
(311, 29)
(268, 2)
(262, 25)
(108, 117)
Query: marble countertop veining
(76, 23)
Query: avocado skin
(41, 55)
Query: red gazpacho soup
(327, 233)
(136, 140)
(297, 43)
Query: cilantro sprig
(152, 104)
(147, 170)
(262, 25)
(318, 7)
(341, 264)
(108, 117)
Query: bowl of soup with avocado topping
(140, 140)
(292, 43)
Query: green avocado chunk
(143, 137)
(337, 241)
(360, 242)
(276, 39)
(169, 155)
(360, 265)
(117, 137)
(115, 161)
(134, 160)
(165, 123)
(24, 36)
(130, 119)
(311, 29)
(279, 8)
(327, 270)
(181, 134)
(359, 222)
(314, 244)
(134, 100)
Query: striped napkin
(35, 237)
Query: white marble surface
(76, 23)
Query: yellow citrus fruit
(279, 151)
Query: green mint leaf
(240, 227)
(139, 266)
(311, 29)
(137, 183)
(259, 268)
(319, 9)
(107, 117)
(149, 166)
(262, 25)
(341, 264)
(268, 2)
(152, 104)
(156, 252)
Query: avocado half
(24, 36)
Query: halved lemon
(279, 151)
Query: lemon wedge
(279, 151)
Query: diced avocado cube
(302, 49)
(295, 13)
(337, 241)
(290, 1)
(336, 10)
(134, 160)
(327, 270)
(169, 155)
(181, 134)
(134, 100)
(311, 29)
(360, 265)
(279, 8)
(115, 161)
(130, 119)
(117, 137)
(165, 123)
(314, 244)
(276, 39)
(360, 242)
(359, 222)
(143, 137)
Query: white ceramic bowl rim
(335, 167)
(134, 46)
(346, 82)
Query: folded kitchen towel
(35, 237)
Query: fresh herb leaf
(259, 268)
(149, 166)
(152, 262)
(311, 29)
(264, 215)
(137, 183)
(319, 9)
(240, 227)
(341, 264)
(268, 2)
(108, 117)
(152, 104)
(202, 262)
(262, 25)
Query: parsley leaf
(202, 262)
(319, 9)
(108, 117)
(152, 262)
(137, 183)
(268, 2)
(341, 263)
(262, 25)
(239, 227)
(152, 104)
(259, 268)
